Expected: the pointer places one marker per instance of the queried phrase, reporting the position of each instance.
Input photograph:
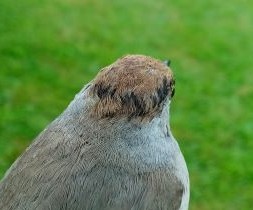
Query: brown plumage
(133, 86)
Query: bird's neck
(78, 115)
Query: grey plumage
(106, 160)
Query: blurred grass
(50, 49)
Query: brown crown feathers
(135, 86)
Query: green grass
(49, 49)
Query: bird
(111, 148)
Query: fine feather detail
(135, 86)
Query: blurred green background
(50, 48)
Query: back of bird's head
(135, 86)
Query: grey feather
(80, 163)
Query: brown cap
(135, 86)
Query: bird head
(135, 87)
